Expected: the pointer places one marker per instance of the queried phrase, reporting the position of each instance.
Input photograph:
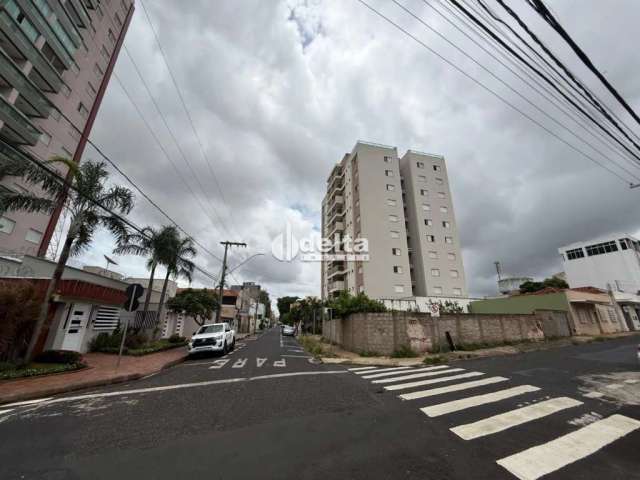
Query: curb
(88, 384)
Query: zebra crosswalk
(433, 384)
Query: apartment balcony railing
(16, 128)
(337, 227)
(27, 89)
(336, 286)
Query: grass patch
(404, 352)
(315, 346)
(9, 371)
(433, 360)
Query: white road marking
(26, 402)
(357, 369)
(375, 374)
(464, 403)
(631, 381)
(384, 370)
(280, 363)
(542, 459)
(414, 370)
(417, 375)
(452, 388)
(295, 374)
(593, 395)
(420, 383)
(240, 363)
(513, 418)
(260, 362)
(6, 411)
(219, 364)
(296, 356)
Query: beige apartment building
(56, 58)
(403, 207)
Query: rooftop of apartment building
(600, 239)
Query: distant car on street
(212, 338)
(288, 330)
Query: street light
(245, 261)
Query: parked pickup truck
(213, 337)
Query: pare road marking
(280, 363)
(239, 363)
(260, 362)
(219, 364)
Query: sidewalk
(101, 371)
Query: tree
(449, 306)
(264, 299)
(553, 282)
(90, 204)
(178, 263)
(345, 304)
(303, 311)
(199, 304)
(19, 307)
(153, 243)
(284, 304)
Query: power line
(526, 99)
(184, 105)
(493, 92)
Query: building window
(105, 54)
(448, 239)
(118, 20)
(395, 251)
(424, 193)
(99, 12)
(426, 207)
(451, 256)
(388, 173)
(439, 181)
(575, 253)
(436, 168)
(75, 69)
(397, 269)
(83, 110)
(441, 195)
(433, 254)
(623, 243)
(390, 187)
(391, 202)
(394, 234)
(420, 164)
(112, 37)
(359, 270)
(66, 91)
(444, 210)
(446, 224)
(45, 138)
(428, 222)
(393, 218)
(55, 114)
(33, 236)
(600, 248)
(457, 291)
(98, 71)
(399, 288)
(431, 238)
(386, 159)
(454, 273)
(358, 219)
(90, 90)
(7, 225)
(435, 272)
(437, 290)
(422, 178)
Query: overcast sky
(280, 90)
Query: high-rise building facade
(56, 58)
(403, 208)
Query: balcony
(16, 128)
(38, 104)
(336, 286)
(337, 227)
(18, 46)
(338, 270)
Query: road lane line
(296, 356)
(513, 418)
(593, 395)
(26, 402)
(6, 411)
(452, 388)
(357, 369)
(464, 403)
(295, 374)
(414, 370)
(431, 381)
(417, 375)
(383, 370)
(548, 457)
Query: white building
(610, 262)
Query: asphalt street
(267, 410)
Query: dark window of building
(601, 248)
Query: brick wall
(382, 333)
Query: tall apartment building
(403, 207)
(56, 58)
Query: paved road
(267, 411)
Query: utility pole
(224, 272)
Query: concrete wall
(522, 304)
(383, 333)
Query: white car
(213, 337)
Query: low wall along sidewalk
(384, 333)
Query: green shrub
(369, 353)
(404, 352)
(105, 341)
(346, 304)
(135, 341)
(59, 356)
(175, 338)
(433, 360)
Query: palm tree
(90, 204)
(179, 264)
(153, 243)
